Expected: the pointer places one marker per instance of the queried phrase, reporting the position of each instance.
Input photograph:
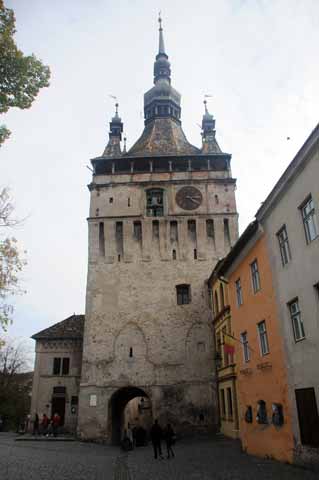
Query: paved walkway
(218, 459)
(203, 459)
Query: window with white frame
(309, 219)
(284, 245)
(255, 276)
(239, 292)
(263, 338)
(295, 315)
(245, 344)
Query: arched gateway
(123, 410)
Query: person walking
(156, 438)
(56, 423)
(36, 425)
(169, 436)
(44, 424)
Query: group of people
(136, 436)
(47, 426)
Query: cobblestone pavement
(203, 459)
(55, 460)
(218, 459)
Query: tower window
(210, 228)
(183, 294)
(111, 200)
(174, 254)
(173, 231)
(195, 253)
(191, 224)
(101, 239)
(128, 202)
(226, 231)
(137, 226)
(154, 203)
(155, 229)
(131, 352)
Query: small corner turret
(113, 148)
(210, 144)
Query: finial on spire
(161, 48)
(124, 147)
(116, 109)
(205, 103)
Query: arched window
(155, 202)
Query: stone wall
(135, 332)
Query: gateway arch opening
(129, 406)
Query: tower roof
(163, 134)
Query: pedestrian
(130, 435)
(170, 437)
(36, 424)
(44, 424)
(56, 420)
(156, 438)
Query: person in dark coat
(156, 438)
(36, 425)
(169, 436)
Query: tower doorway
(128, 405)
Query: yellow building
(224, 357)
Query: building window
(216, 303)
(191, 227)
(154, 203)
(229, 402)
(245, 344)
(284, 245)
(183, 294)
(255, 276)
(222, 298)
(239, 293)
(65, 366)
(56, 366)
(309, 219)
(222, 402)
(61, 366)
(174, 254)
(263, 338)
(297, 325)
(262, 412)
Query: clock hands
(193, 199)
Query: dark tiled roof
(163, 136)
(71, 327)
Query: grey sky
(258, 59)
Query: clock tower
(161, 215)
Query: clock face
(189, 198)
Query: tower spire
(210, 144)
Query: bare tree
(15, 382)
(11, 262)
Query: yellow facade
(225, 362)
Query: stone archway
(117, 405)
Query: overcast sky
(257, 58)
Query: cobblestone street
(203, 459)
